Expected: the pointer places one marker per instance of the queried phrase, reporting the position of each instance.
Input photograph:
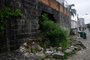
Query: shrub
(56, 35)
(5, 14)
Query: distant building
(81, 24)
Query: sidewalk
(83, 54)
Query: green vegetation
(5, 15)
(72, 11)
(56, 35)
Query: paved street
(83, 54)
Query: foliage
(65, 56)
(72, 11)
(56, 35)
(5, 15)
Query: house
(74, 26)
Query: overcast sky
(82, 7)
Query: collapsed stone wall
(27, 26)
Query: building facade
(74, 26)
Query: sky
(83, 9)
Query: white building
(74, 26)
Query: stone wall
(27, 26)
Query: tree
(72, 11)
